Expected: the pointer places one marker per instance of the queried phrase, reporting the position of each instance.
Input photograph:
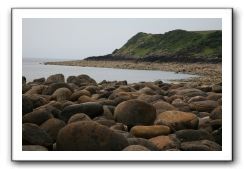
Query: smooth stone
(91, 109)
(149, 98)
(214, 96)
(89, 136)
(165, 142)
(193, 135)
(206, 106)
(57, 78)
(162, 106)
(75, 96)
(201, 145)
(61, 94)
(135, 148)
(191, 92)
(52, 127)
(150, 131)
(177, 120)
(54, 86)
(27, 105)
(34, 135)
(216, 113)
(181, 105)
(204, 124)
(79, 117)
(196, 99)
(143, 142)
(36, 89)
(38, 116)
(217, 134)
(216, 124)
(92, 89)
(106, 122)
(38, 100)
(217, 88)
(33, 148)
(135, 112)
(85, 99)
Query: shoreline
(208, 73)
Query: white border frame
(18, 155)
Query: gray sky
(79, 38)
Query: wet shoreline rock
(80, 114)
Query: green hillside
(177, 42)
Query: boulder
(57, 78)
(89, 136)
(79, 117)
(54, 86)
(135, 148)
(81, 80)
(178, 120)
(165, 142)
(52, 127)
(119, 126)
(36, 89)
(196, 99)
(150, 131)
(143, 142)
(216, 113)
(193, 135)
(135, 112)
(162, 106)
(27, 105)
(90, 108)
(34, 135)
(181, 105)
(191, 92)
(85, 99)
(61, 94)
(79, 93)
(206, 105)
(201, 145)
(38, 116)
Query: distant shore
(208, 73)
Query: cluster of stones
(79, 114)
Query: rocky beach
(79, 114)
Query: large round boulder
(162, 106)
(143, 142)
(54, 86)
(193, 135)
(89, 136)
(38, 116)
(201, 145)
(149, 131)
(27, 105)
(79, 117)
(178, 120)
(57, 78)
(52, 127)
(165, 142)
(91, 109)
(34, 135)
(135, 112)
(61, 94)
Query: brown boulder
(52, 127)
(162, 106)
(177, 120)
(57, 78)
(38, 116)
(206, 105)
(201, 145)
(135, 112)
(34, 135)
(79, 117)
(79, 93)
(150, 131)
(165, 142)
(61, 94)
(89, 136)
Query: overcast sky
(80, 38)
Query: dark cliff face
(176, 45)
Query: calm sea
(34, 68)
